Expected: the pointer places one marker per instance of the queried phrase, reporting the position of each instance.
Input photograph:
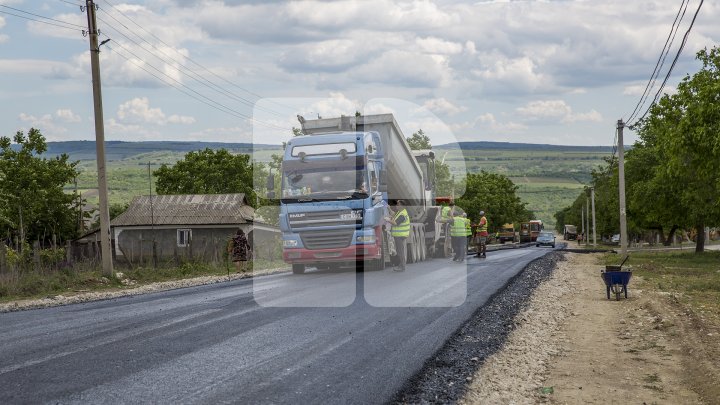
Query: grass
(693, 278)
(83, 278)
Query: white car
(615, 238)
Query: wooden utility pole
(587, 220)
(592, 198)
(582, 221)
(105, 246)
(621, 183)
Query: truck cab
(333, 201)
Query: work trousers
(459, 247)
(401, 249)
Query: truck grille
(330, 239)
(322, 218)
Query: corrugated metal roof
(186, 209)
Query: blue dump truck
(337, 182)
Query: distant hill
(524, 146)
(118, 150)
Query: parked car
(615, 238)
(545, 239)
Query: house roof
(186, 209)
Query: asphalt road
(314, 338)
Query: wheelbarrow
(616, 280)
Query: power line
(292, 109)
(198, 78)
(672, 66)
(199, 96)
(41, 21)
(41, 16)
(661, 59)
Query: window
(184, 236)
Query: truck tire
(298, 268)
(411, 247)
(423, 246)
(378, 264)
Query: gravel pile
(74, 298)
(448, 374)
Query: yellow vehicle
(506, 233)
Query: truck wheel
(423, 246)
(298, 268)
(411, 247)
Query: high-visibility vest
(458, 227)
(445, 213)
(482, 227)
(403, 230)
(468, 229)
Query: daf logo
(300, 215)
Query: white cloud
(45, 123)
(555, 111)
(488, 120)
(438, 46)
(138, 111)
(443, 106)
(66, 115)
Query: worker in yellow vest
(482, 234)
(457, 232)
(400, 231)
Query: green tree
(496, 195)
(36, 186)
(683, 129)
(419, 140)
(211, 172)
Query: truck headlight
(290, 243)
(366, 239)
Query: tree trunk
(671, 235)
(700, 238)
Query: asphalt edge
(446, 375)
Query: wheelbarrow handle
(624, 260)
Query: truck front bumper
(347, 254)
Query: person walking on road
(457, 233)
(239, 249)
(482, 232)
(400, 231)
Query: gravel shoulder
(572, 345)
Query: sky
(553, 72)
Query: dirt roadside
(573, 346)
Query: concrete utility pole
(621, 183)
(105, 246)
(587, 220)
(582, 221)
(592, 197)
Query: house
(179, 228)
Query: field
(548, 177)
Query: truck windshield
(309, 185)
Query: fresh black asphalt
(321, 337)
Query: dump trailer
(570, 232)
(337, 182)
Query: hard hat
(482, 212)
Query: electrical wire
(42, 16)
(672, 66)
(189, 91)
(661, 59)
(289, 108)
(198, 78)
(41, 21)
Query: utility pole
(587, 220)
(582, 221)
(105, 246)
(592, 197)
(621, 183)
(152, 220)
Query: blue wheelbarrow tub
(616, 277)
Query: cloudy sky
(553, 71)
